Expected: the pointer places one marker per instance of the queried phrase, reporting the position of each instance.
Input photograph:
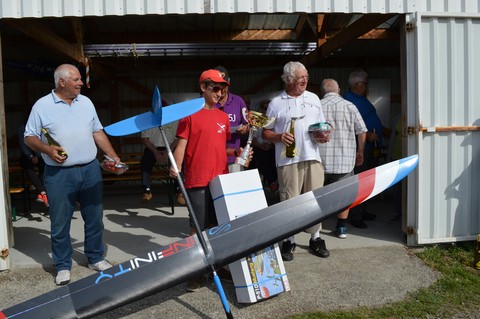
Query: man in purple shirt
(237, 111)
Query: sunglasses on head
(217, 89)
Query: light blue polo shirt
(72, 126)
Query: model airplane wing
(180, 261)
(159, 116)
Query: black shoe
(318, 247)
(224, 275)
(287, 250)
(358, 223)
(369, 216)
(195, 284)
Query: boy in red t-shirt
(202, 154)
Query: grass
(455, 294)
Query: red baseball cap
(213, 75)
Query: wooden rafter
(266, 35)
(352, 32)
(322, 24)
(47, 37)
(302, 20)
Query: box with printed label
(262, 274)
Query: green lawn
(455, 295)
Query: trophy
(256, 120)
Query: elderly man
(300, 170)
(71, 119)
(357, 94)
(342, 153)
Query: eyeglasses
(217, 89)
(306, 78)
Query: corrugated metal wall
(80, 8)
(449, 178)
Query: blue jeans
(65, 187)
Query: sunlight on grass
(457, 291)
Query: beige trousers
(300, 178)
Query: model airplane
(167, 266)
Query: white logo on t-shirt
(221, 128)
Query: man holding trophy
(297, 153)
(236, 110)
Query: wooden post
(6, 227)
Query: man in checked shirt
(347, 141)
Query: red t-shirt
(207, 133)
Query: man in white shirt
(304, 171)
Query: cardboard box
(260, 275)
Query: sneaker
(147, 196)
(195, 283)
(39, 198)
(63, 277)
(42, 198)
(342, 232)
(358, 223)
(180, 199)
(287, 250)
(318, 247)
(100, 266)
(45, 200)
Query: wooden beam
(379, 34)
(78, 33)
(322, 25)
(46, 37)
(352, 32)
(302, 20)
(265, 35)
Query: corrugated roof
(84, 8)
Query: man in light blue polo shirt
(71, 119)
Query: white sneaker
(100, 266)
(63, 277)
(342, 232)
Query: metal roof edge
(82, 8)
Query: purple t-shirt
(237, 113)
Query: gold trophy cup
(256, 120)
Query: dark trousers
(147, 163)
(264, 161)
(369, 161)
(35, 178)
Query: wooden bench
(134, 173)
(19, 185)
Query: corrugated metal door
(443, 119)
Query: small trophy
(256, 120)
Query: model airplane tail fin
(157, 103)
(159, 116)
